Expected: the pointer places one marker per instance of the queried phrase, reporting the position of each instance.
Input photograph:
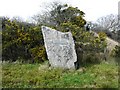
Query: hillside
(111, 43)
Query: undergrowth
(18, 75)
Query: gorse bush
(25, 41)
(102, 36)
(22, 40)
(38, 53)
(116, 51)
(88, 46)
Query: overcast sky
(27, 8)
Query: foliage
(116, 51)
(19, 39)
(90, 45)
(102, 36)
(23, 40)
(118, 36)
(15, 75)
(61, 13)
(66, 18)
(108, 24)
(38, 53)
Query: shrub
(116, 51)
(88, 53)
(21, 40)
(38, 53)
(102, 35)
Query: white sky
(27, 8)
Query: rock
(60, 48)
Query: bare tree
(110, 25)
(57, 13)
(45, 16)
(109, 22)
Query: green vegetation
(19, 75)
(23, 49)
(117, 51)
(21, 40)
(24, 41)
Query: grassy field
(16, 75)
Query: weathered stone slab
(60, 48)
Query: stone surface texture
(60, 48)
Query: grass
(17, 75)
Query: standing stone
(60, 48)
